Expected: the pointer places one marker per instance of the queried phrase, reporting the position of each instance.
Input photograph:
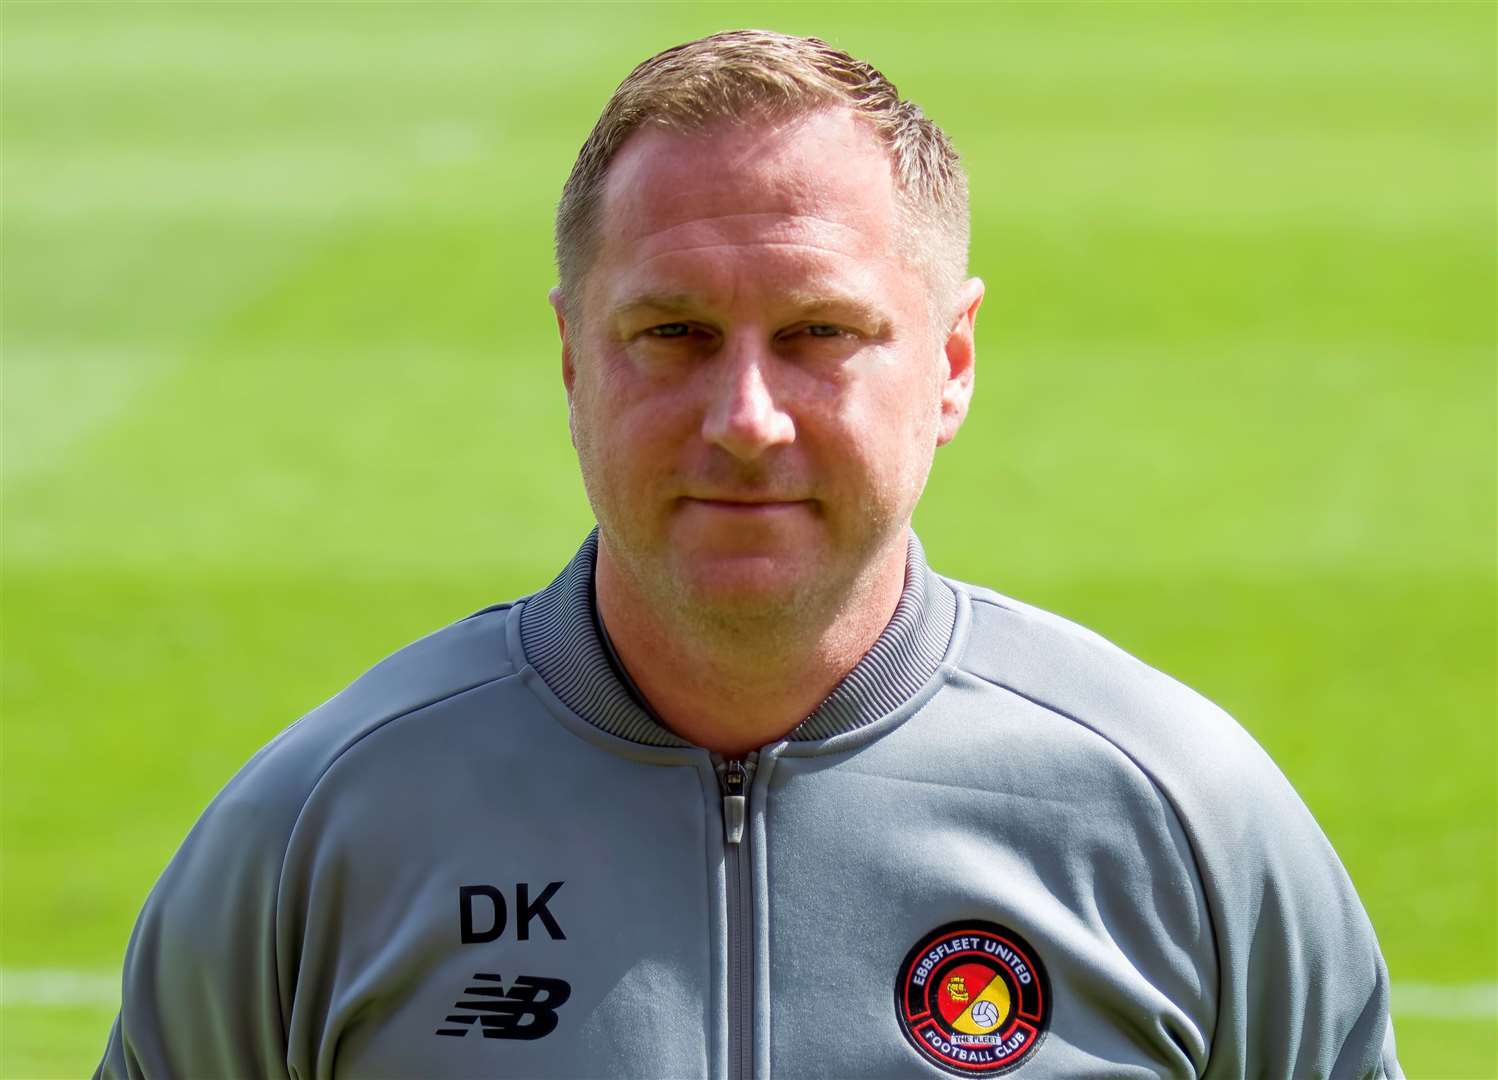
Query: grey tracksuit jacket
(1000, 846)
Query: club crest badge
(973, 998)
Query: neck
(735, 690)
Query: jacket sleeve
(1303, 988)
(1296, 986)
(213, 973)
(204, 992)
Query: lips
(748, 500)
(746, 505)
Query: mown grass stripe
(1460, 1001)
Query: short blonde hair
(740, 75)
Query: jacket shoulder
(441, 665)
(1073, 671)
(1220, 782)
(262, 801)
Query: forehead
(811, 197)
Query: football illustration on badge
(973, 998)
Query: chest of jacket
(979, 888)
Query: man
(749, 790)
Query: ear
(569, 373)
(960, 352)
(569, 367)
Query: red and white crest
(973, 998)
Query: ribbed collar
(560, 634)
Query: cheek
(900, 432)
(875, 448)
(626, 390)
(627, 433)
(903, 410)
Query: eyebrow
(662, 302)
(806, 304)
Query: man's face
(756, 380)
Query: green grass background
(281, 393)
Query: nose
(742, 415)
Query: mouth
(746, 505)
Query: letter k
(536, 909)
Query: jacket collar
(562, 638)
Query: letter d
(466, 893)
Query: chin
(744, 585)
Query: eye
(670, 330)
(824, 330)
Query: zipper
(734, 778)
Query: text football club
(973, 998)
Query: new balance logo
(526, 1010)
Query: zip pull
(735, 780)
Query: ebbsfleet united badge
(973, 998)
